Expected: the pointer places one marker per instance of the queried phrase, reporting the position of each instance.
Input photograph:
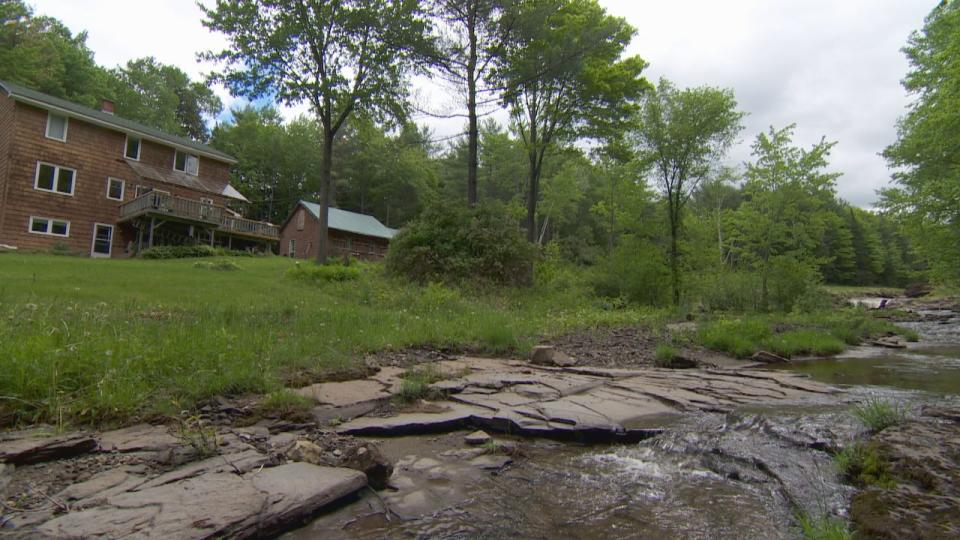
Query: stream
(740, 474)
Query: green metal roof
(344, 220)
(26, 95)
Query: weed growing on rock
(194, 432)
(286, 404)
(862, 465)
(416, 384)
(824, 528)
(877, 414)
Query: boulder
(547, 355)
(368, 459)
(767, 357)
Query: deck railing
(159, 202)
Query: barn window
(300, 220)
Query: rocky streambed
(508, 448)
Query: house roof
(39, 99)
(178, 178)
(344, 220)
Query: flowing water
(744, 474)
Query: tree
(564, 78)
(164, 97)
(41, 53)
(681, 134)
(782, 220)
(340, 56)
(467, 47)
(926, 154)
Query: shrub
(877, 414)
(186, 252)
(452, 244)
(323, 273)
(636, 271)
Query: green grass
(824, 528)
(285, 403)
(415, 384)
(788, 335)
(665, 355)
(862, 465)
(877, 414)
(110, 341)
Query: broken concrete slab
(218, 504)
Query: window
(206, 201)
(115, 189)
(54, 178)
(132, 148)
(292, 249)
(102, 240)
(185, 162)
(52, 227)
(56, 127)
(300, 219)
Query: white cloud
(831, 67)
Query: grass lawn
(108, 341)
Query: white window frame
(49, 226)
(186, 161)
(123, 188)
(56, 179)
(93, 241)
(126, 142)
(292, 248)
(66, 126)
(207, 201)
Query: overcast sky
(831, 66)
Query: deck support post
(152, 226)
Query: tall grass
(877, 414)
(97, 341)
(824, 528)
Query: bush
(224, 265)
(187, 252)
(323, 273)
(791, 285)
(635, 271)
(452, 244)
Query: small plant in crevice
(877, 414)
(415, 384)
(824, 528)
(667, 356)
(195, 432)
(286, 404)
(861, 464)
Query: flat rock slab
(142, 437)
(25, 448)
(217, 504)
(342, 394)
(583, 403)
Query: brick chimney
(106, 106)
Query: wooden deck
(158, 204)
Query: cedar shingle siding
(96, 153)
(360, 246)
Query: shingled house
(350, 233)
(91, 182)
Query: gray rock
(547, 355)
(218, 504)
(142, 437)
(491, 462)
(477, 438)
(25, 448)
(767, 357)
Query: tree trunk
(674, 214)
(326, 175)
(532, 195)
(473, 134)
